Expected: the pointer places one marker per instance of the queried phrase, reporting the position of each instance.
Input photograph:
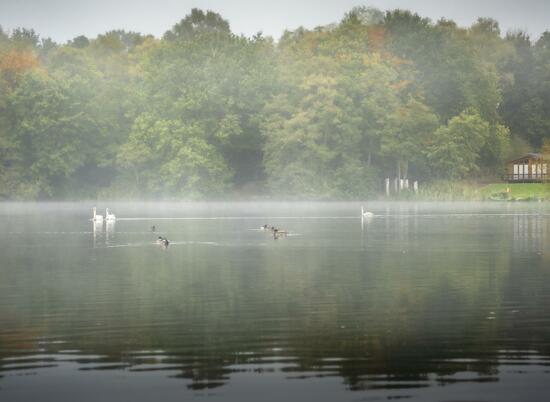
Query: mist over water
(422, 301)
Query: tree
(413, 124)
(452, 75)
(79, 42)
(4, 38)
(365, 15)
(375, 87)
(14, 63)
(170, 158)
(46, 47)
(198, 23)
(324, 112)
(526, 105)
(454, 149)
(486, 26)
(496, 149)
(43, 132)
(219, 84)
(315, 138)
(23, 38)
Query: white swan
(109, 217)
(95, 217)
(366, 214)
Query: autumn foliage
(15, 62)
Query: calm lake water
(425, 302)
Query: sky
(65, 19)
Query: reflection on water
(530, 233)
(420, 302)
(103, 233)
(110, 232)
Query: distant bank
(471, 191)
(443, 190)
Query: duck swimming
(163, 241)
(279, 233)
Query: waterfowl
(95, 217)
(366, 214)
(109, 217)
(163, 241)
(279, 233)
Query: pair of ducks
(163, 241)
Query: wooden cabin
(531, 168)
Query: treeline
(323, 113)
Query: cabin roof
(528, 156)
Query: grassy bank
(471, 191)
(517, 191)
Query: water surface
(424, 302)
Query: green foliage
(220, 84)
(308, 138)
(496, 150)
(79, 42)
(24, 38)
(198, 23)
(324, 113)
(452, 74)
(413, 125)
(445, 190)
(526, 105)
(454, 149)
(365, 15)
(43, 134)
(169, 158)
(516, 192)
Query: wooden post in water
(401, 184)
(415, 186)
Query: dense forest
(326, 113)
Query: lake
(423, 302)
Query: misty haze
(349, 202)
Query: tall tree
(44, 131)
(414, 123)
(455, 148)
(170, 158)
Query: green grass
(471, 191)
(444, 190)
(518, 191)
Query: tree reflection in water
(412, 302)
